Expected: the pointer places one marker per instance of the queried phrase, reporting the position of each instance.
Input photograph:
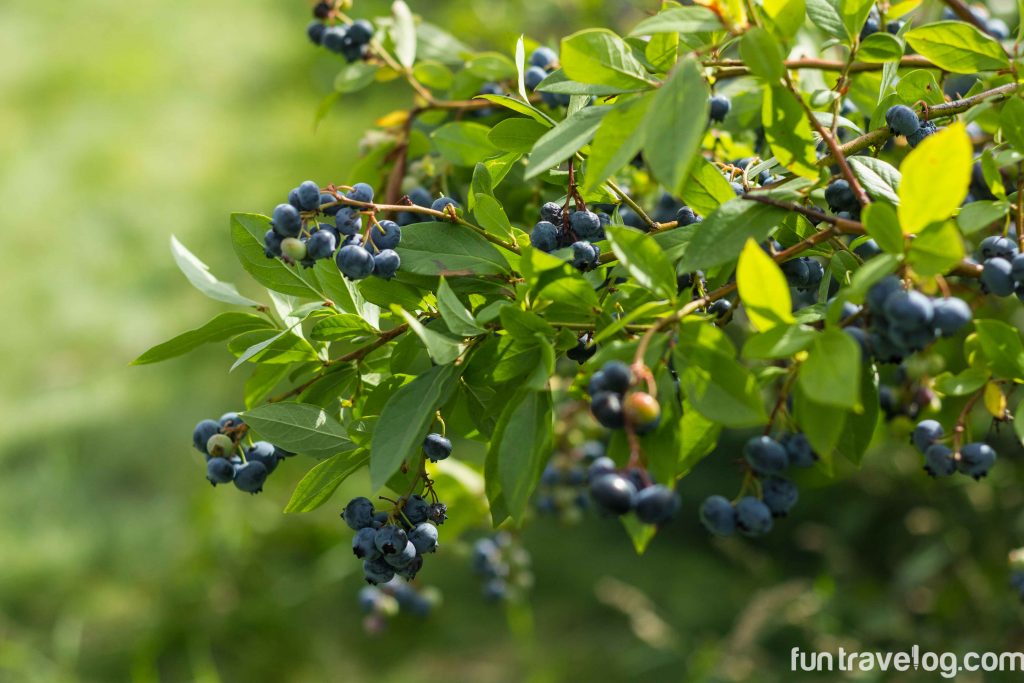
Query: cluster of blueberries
(767, 459)
(504, 565)
(562, 489)
(620, 492)
(903, 120)
(351, 41)
(804, 274)
(380, 603)
(578, 231)
(543, 61)
(227, 461)
(391, 544)
(1002, 266)
(299, 238)
(974, 459)
(906, 321)
(994, 26)
(610, 405)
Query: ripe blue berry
(720, 308)
(718, 516)
(544, 57)
(617, 376)
(753, 518)
(799, 450)
(263, 452)
(551, 212)
(202, 433)
(976, 459)
(348, 221)
(718, 108)
(950, 315)
(436, 447)
(321, 244)
(779, 494)
(918, 136)
(286, 220)
(601, 466)
(423, 537)
(686, 216)
(315, 31)
(607, 409)
(334, 38)
(416, 509)
(909, 310)
(391, 539)
(840, 197)
(219, 471)
(614, 493)
(997, 277)
(354, 262)
(544, 236)
(308, 194)
(358, 514)
(902, 120)
(361, 31)
(880, 292)
(376, 571)
(386, 235)
(403, 558)
(926, 433)
(533, 77)
(656, 504)
(230, 421)
(441, 203)
(586, 225)
(386, 264)
(765, 455)
(364, 544)
(585, 256)
(272, 244)
(250, 477)
(360, 192)
(939, 461)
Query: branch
(964, 12)
(732, 68)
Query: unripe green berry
(220, 445)
(293, 248)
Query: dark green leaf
(247, 237)
(516, 135)
(520, 446)
(300, 428)
(675, 124)
(437, 248)
(564, 140)
(459, 320)
(1002, 347)
(644, 260)
(831, 373)
(599, 56)
(721, 237)
(320, 483)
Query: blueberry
(230, 421)
(321, 244)
(950, 315)
(202, 433)
(286, 221)
(334, 38)
(881, 290)
(987, 247)
(607, 409)
(378, 519)
(250, 477)
(939, 461)
(220, 445)
(423, 537)
(918, 136)
(997, 277)
(219, 471)
(360, 192)
(926, 433)
(997, 28)
(976, 459)
(686, 216)
(867, 250)
(391, 539)
(720, 308)
(386, 235)
(592, 450)
(361, 31)
(870, 26)
(840, 197)
(861, 337)
(1017, 268)
(902, 120)
(765, 455)
(656, 504)
(377, 571)
(601, 466)
(597, 384)
(718, 108)
(416, 509)
(585, 256)
(293, 248)
(263, 452)
(533, 77)
(272, 244)
(358, 514)
(718, 516)
(409, 573)
(544, 57)
(613, 493)
(308, 194)
(329, 204)
(753, 518)
(797, 273)
(779, 494)
(909, 310)
(544, 236)
(364, 544)
(315, 31)
(799, 450)
(436, 447)
(354, 262)
(403, 558)
(617, 376)
(386, 264)
(586, 225)
(551, 212)
(348, 221)
(441, 203)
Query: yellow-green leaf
(935, 178)
(763, 289)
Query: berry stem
(961, 421)
(964, 12)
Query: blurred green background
(125, 122)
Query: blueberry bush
(595, 257)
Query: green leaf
(981, 214)
(697, 439)
(224, 326)
(958, 47)
(519, 107)
(564, 140)
(354, 77)
(441, 348)
(719, 387)
(762, 54)
(723, 233)
(855, 13)
(558, 82)
(520, 447)
(433, 74)
(763, 288)
(320, 483)
(788, 131)
(786, 15)
(617, 141)
(966, 382)
(516, 135)
(198, 273)
(459, 320)
(879, 48)
(781, 341)
(884, 226)
(870, 273)
(410, 412)
(822, 424)
(262, 381)
(859, 428)
(936, 250)
(825, 15)
(879, 178)
(300, 428)
(344, 292)
(694, 19)
(403, 32)
(491, 216)
(1002, 348)
(675, 124)
(265, 346)
(1011, 120)
(463, 143)
(639, 533)
(831, 373)
(707, 188)
(599, 56)
(437, 248)
(247, 238)
(341, 327)
(644, 260)
(928, 196)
